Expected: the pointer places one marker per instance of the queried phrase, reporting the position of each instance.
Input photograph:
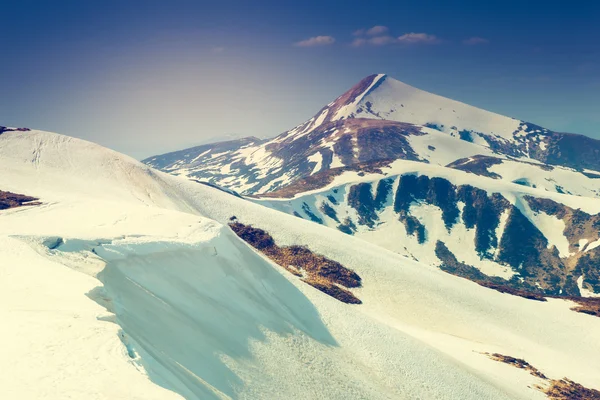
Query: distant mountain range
(381, 119)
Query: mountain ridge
(379, 118)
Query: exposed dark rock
(451, 265)
(347, 227)
(329, 211)
(465, 135)
(5, 129)
(361, 199)
(589, 266)
(482, 213)
(525, 249)
(414, 227)
(436, 191)
(477, 165)
(307, 210)
(434, 126)
(578, 225)
(345, 149)
(384, 189)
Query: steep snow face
(349, 108)
(191, 308)
(397, 101)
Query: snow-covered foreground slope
(190, 310)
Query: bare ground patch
(13, 200)
(556, 389)
(320, 272)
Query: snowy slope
(191, 308)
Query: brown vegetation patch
(566, 389)
(510, 290)
(518, 363)
(587, 305)
(558, 389)
(13, 200)
(318, 271)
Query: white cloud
(474, 41)
(374, 41)
(377, 30)
(316, 41)
(383, 40)
(418, 38)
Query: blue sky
(145, 77)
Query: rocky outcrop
(436, 191)
(6, 129)
(477, 165)
(482, 212)
(554, 389)
(13, 200)
(324, 178)
(502, 233)
(324, 274)
(360, 197)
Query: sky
(145, 77)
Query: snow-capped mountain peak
(380, 119)
(379, 96)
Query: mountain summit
(380, 97)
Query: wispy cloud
(475, 40)
(316, 41)
(374, 41)
(418, 38)
(218, 49)
(377, 30)
(406, 39)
